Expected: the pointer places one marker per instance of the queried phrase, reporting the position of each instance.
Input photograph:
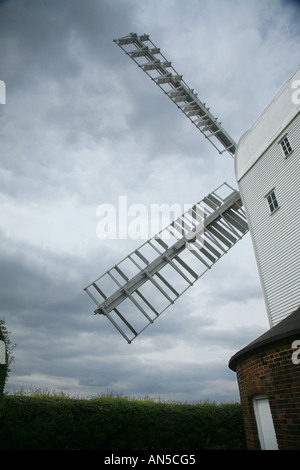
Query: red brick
(271, 372)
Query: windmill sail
(137, 290)
(149, 58)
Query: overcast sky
(82, 126)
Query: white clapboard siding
(276, 235)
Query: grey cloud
(83, 125)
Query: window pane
(272, 201)
(286, 146)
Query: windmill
(137, 290)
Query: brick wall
(270, 371)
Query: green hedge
(113, 423)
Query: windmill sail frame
(137, 290)
(150, 59)
(195, 242)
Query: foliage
(56, 421)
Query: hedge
(113, 423)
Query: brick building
(268, 374)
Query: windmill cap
(272, 121)
(289, 326)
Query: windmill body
(267, 171)
(134, 293)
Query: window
(272, 201)
(286, 146)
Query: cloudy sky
(82, 126)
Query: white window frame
(286, 146)
(273, 203)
